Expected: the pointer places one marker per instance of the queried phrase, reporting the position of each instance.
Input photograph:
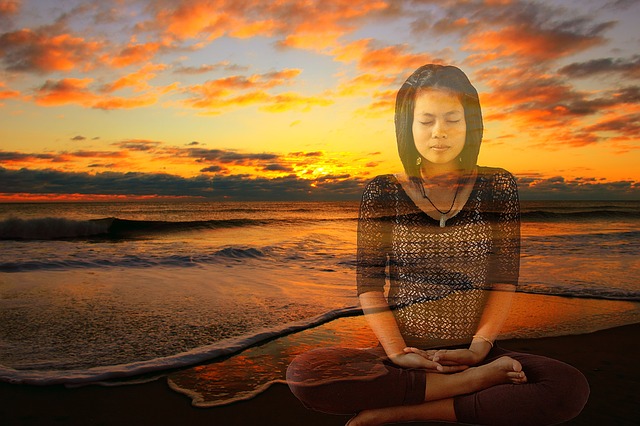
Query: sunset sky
(293, 99)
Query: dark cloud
(78, 138)
(110, 183)
(96, 165)
(290, 187)
(306, 154)
(620, 4)
(212, 169)
(228, 156)
(60, 157)
(277, 168)
(559, 188)
(6, 156)
(628, 67)
(235, 187)
(527, 33)
(549, 102)
(138, 145)
(93, 154)
(628, 125)
(8, 9)
(326, 178)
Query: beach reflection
(249, 373)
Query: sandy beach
(606, 357)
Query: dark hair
(432, 76)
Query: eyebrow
(446, 113)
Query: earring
(418, 160)
(460, 159)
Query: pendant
(443, 219)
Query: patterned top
(437, 276)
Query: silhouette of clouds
(289, 187)
(138, 145)
(236, 187)
(213, 169)
(560, 188)
(596, 67)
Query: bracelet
(483, 338)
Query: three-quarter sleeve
(504, 262)
(374, 236)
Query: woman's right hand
(414, 360)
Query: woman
(446, 236)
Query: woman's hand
(419, 359)
(449, 357)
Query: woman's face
(439, 127)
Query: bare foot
(502, 370)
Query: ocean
(219, 296)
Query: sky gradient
(293, 99)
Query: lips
(440, 147)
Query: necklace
(443, 215)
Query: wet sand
(608, 358)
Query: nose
(438, 131)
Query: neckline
(463, 207)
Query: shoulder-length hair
(450, 78)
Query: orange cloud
(65, 91)
(224, 86)
(134, 54)
(9, 7)
(216, 95)
(316, 41)
(392, 58)
(383, 104)
(190, 19)
(364, 84)
(7, 94)
(388, 59)
(257, 28)
(352, 52)
(625, 126)
(314, 25)
(38, 51)
(125, 103)
(138, 80)
(77, 91)
(530, 44)
(288, 101)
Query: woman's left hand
(449, 357)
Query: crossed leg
(440, 389)
(492, 393)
